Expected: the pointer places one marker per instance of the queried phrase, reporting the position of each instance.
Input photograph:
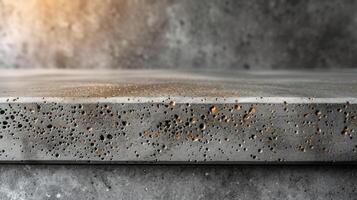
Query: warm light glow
(75, 32)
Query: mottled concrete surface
(234, 34)
(231, 34)
(39, 182)
(186, 85)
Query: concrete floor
(81, 182)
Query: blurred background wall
(232, 34)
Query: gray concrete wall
(237, 34)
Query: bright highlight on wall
(73, 33)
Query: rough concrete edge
(181, 100)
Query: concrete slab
(178, 116)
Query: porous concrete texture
(199, 34)
(231, 34)
(170, 116)
(87, 182)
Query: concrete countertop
(160, 116)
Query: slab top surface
(164, 83)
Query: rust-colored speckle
(238, 107)
(137, 90)
(252, 110)
(213, 109)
